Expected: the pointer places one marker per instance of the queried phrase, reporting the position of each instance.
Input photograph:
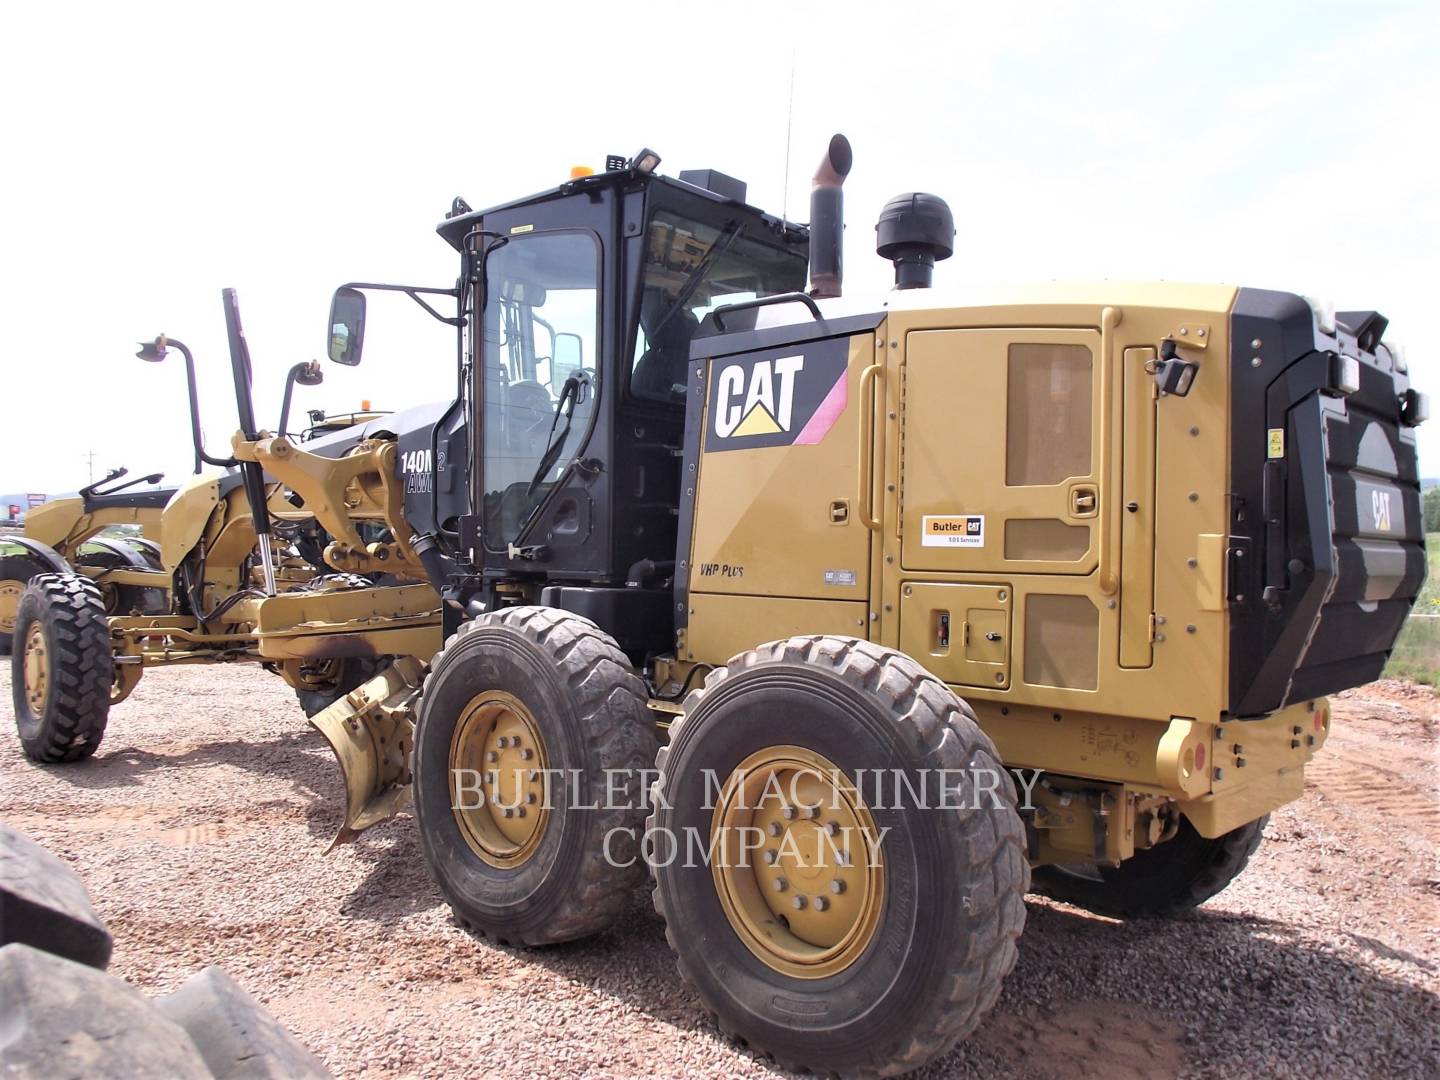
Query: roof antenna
(789, 117)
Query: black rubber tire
(22, 568)
(1174, 876)
(354, 671)
(955, 876)
(71, 614)
(591, 710)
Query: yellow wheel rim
(37, 669)
(797, 862)
(10, 591)
(498, 779)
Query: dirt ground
(201, 830)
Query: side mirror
(569, 355)
(347, 326)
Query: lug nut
(492, 756)
(520, 811)
(776, 828)
(780, 884)
(530, 798)
(837, 886)
(526, 754)
(798, 902)
(821, 903)
(770, 857)
(509, 811)
(788, 813)
(831, 828)
(811, 812)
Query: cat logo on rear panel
(780, 397)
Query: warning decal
(953, 530)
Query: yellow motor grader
(67, 534)
(852, 619)
(226, 593)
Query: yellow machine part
(372, 730)
(1005, 498)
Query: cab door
(1001, 460)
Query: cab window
(691, 268)
(541, 325)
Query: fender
(131, 555)
(52, 559)
(149, 549)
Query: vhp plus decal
(782, 397)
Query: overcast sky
(155, 153)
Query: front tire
(910, 958)
(532, 743)
(1160, 882)
(62, 669)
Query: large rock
(43, 903)
(238, 1039)
(60, 1020)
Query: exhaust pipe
(827, 218)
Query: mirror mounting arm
(414, 292)
(156, 351)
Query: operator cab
(584, 300)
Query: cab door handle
(1084, 501)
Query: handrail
(1110, 498)
(766, 301)
(867, 447)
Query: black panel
(740, 334)
(1331, 530)
(154, 499)
(638, 619)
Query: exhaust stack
(827, 218)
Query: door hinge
(1151, 631)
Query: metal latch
(839, 511)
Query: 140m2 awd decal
(781, 397)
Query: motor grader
(845, 616)
(228, 582)
(66, 535)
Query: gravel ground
(201, 830)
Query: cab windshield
(691, 268)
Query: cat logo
(769, 403)
(777, 397)
(1380, 510)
